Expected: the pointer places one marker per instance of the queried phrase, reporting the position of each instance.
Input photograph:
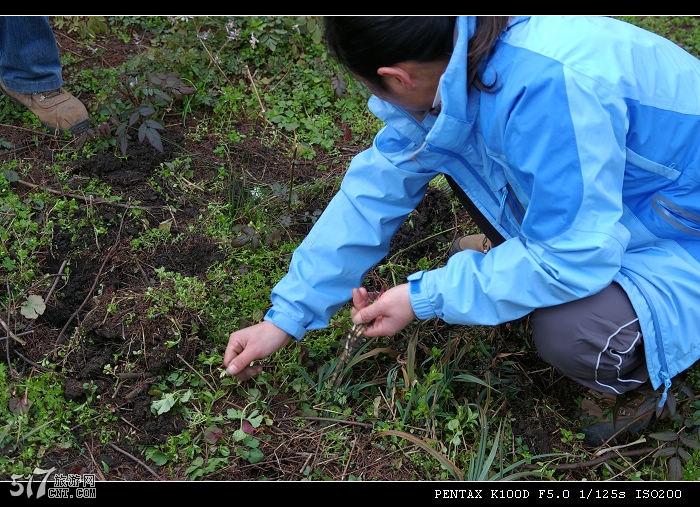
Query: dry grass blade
(445, 461)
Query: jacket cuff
(285, 324)
(421, 306)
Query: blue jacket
(586, 160)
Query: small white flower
(231, 33)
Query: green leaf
(123, 142)
(10, 176)
(134, 117)
(256, 421)
(147, 131)
(464, 377)
(664, 436)
(195, 470)
(255, 456)
(33, 307)
(233, 413)
(685, 455)
(665, 452)
(239, 435)
(152, 124)
(164, 404)
(693, 443)
(675, 469)
(145, 111)
(158, 457)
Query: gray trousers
(595, 341)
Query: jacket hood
(455, 76)
(455, 119)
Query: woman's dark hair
(362, 44)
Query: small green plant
(150, 239)
(676, 449)
(36, 417)
(140, 105)
(83, 27)
(568, 436)
(484, 467)
(168, 400)
(175, 291)
(248, 445)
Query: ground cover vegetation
(130, 253)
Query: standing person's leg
(29, 58)
(31, 73)
(597, 341)
(480, 242)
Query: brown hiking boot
(478, 242)
(57, 110)
(606, 418)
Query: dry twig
(144, 465)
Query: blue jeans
(29, 59)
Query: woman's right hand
(390, 312)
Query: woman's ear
(396, 76)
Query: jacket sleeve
(351, 235)
(560, 138)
